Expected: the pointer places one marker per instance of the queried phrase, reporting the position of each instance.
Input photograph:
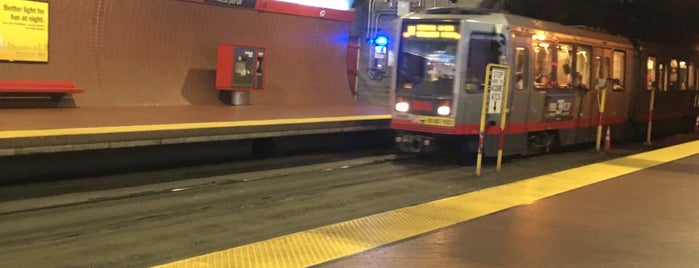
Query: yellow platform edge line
(181, 126)
(335, 241)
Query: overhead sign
(332, 4)
(326, 9)
(239, 3)
(24, 30)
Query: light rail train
(565, 84)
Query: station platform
(32, 131)
(634, 211)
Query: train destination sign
(445, 31)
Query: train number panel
(558, 108)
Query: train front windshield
(427, 59)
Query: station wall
(163, 52)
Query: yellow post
(650, 117)
(498, 101)
(481, 132)
(601, 117)
(503, 119)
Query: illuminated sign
(433, 121)
(445, 31)
(24, 31)
(331, 4)
(239, 3)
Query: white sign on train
(496, 90)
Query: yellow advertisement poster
(24, 30)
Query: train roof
(521, 24)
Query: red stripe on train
(473, 129)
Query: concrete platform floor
(635, 211)
(647, 218)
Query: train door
(521, 79)
(696, 93)
(616, 111)
(565, 103)
(541, 67)
(540, 114)
(482, 44)
(584, 84)
(608, 71)
(522, 88)
(600, 72)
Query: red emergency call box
(240, 67)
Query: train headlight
(402, 105)
(444, 108)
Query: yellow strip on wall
(182, 126)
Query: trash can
(240, 97)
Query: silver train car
(565, 84)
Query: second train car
(558, 76)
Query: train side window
(650, 73)
(564, 74)
(683, 75)
(672, 76)
(521, 67)
(483, 49)
(601, 69)
(692, 78)
(662, 78)
(582, 66)
(618, 73)
(542, 65)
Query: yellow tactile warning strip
(342, 239)
(181, 126)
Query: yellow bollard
(607, 141)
